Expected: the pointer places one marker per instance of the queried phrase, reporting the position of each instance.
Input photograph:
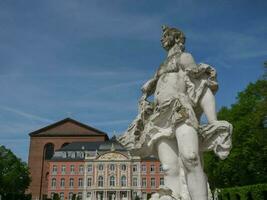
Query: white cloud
(25, 114)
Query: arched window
(53, 183)
(48, 151)
(123, 181)
(111, 167)
(100, 181)
(134, 181)
(100, 167)
(70, 195)
(89, 182)
(62, 183)
(123, 167)
(112, 181)
(71, 183)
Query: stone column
(117, 195)
(105, 195)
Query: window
(123, 181)
(52, 195)
(144, 182)
(49, 151)
(160, 168)
(144, 195)
(134, 168)
(152, 168)
(54, 170)
(135, 195)
(72, 169)
(54, 183)
(89, 182)
(143, 166)
(88, 195)
(63, 169)
(135, 181)
(100, 167)
(161, 181)
(153, 182)
(71, 182)
(100, 181)
(111, 167)
(80, 195)
(70, 195)
(123, 167)
(62, 183)
(112, 181)
(61, 195)
(81, 169)
(80, 182)
(90, 168)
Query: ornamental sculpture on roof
(170, 128)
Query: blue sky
(88, 59)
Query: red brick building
(152, 176)
(45, 141)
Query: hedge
(249, 192)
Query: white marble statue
(169, 127)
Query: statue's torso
(170, 80)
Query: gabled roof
(67, 127)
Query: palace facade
(103, 171)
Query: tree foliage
(14, 176)
(254, 192)
(56, 196)
(247, 162)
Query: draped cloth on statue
(154, 122)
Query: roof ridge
(43, 129)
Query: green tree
(247, 162)
(265, 70)
(14, 176)
(56, 196)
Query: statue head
(172, 36)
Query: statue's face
(167, 40)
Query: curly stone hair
(178, 35)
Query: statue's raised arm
(169, 127)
